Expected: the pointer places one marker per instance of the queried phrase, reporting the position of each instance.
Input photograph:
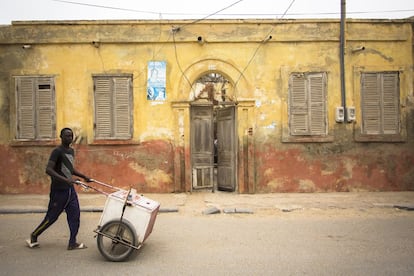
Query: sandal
(32, 244)
(77, 246)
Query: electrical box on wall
(350, 114)
(339, 114)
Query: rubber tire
(112, 250)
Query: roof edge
(205, 21)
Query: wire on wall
(98, 51)
(264, 40)
(177, 60)
(177, 29)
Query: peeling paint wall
(303, 170)
(157, 158)
(147, 167)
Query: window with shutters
(380, 103)
(307, 104)
(35, 106)
(113, 107)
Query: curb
(237, 211)
(405, 207)
(6, 211)
(208, 211)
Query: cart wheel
(115, 240)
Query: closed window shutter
(35, 107)
(307, 104)
(299, 116)
(113, 107)
(380, 103)
(122, 107)
(103, 121)
(45, 107)
(317, 104)
(25, 108)
(390, 103)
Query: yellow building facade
(247, 106)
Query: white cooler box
(141, 213)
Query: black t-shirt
(64, 162)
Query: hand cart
(126, 222)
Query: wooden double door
(213, 146)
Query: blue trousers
(59, 201)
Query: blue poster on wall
(156, 81)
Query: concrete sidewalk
(209, 203)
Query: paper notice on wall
(156, 81)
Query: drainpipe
(342, 57)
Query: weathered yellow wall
(258, 68)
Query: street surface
(307, 242)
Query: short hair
(65, 129)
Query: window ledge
(308, 139)
(37, 143)
(108, 142)
(396, 138)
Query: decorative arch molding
(205, 66)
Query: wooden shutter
(103, 102)
(390, 98)
(307, 104)
(122, 108)
(35, 107)
(25, 108)
(113, 101)
(380, 103)
(317, 104)
(298, 104)
(45, 107)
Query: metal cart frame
(126, 222)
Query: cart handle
(85, 186)
(104, 184)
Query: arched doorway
(213, 140)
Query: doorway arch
(184, 87)
(186, 96)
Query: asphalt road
(297, 243)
